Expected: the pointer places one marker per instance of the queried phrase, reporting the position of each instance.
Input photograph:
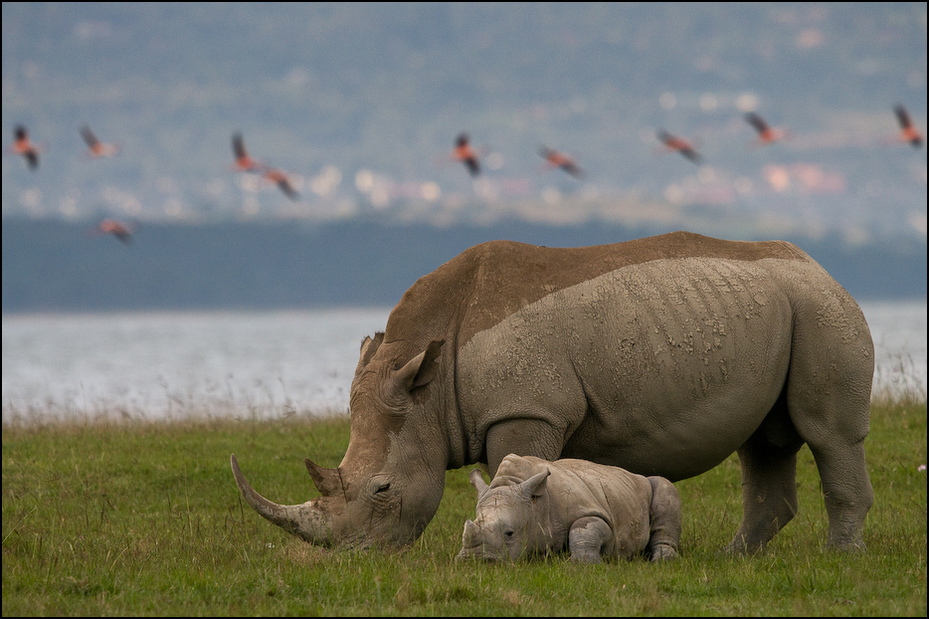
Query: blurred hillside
(58, 266)
(361, 103)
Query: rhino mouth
(480, 552)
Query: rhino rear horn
(327, 481)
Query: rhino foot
(663, 552)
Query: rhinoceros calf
(534, 506)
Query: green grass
(144, 518)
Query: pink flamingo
(680, 145)
(96, 148)
(280, 179)
(243, 162)
(25, 147)
(555, 159)
(908, 133)
(766, 133)
(465, 154)
(121, 231)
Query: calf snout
(483, 541)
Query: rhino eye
(382, 488)
(508, 534)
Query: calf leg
(587, 538)
(665, 520)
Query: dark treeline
(55, 266)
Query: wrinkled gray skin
(661, 355)
(534, 506)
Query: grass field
(143, 518)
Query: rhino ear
(369, 346)
(477, 480)
(534, 486)
(422, 368)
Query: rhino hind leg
(848, 495)
(829, 399)
(840, 458)
(666, 520)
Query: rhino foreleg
(666, 520)
(523, 437)
(587, 538)
(769, 492)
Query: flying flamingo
(23, 146)
(766, 133)
(465, 154)
(555, 159)
(282, 181)
(96, 148)
(243, 162)
(121, 231)
(908, 133)
(680, 145)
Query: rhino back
(488, 282)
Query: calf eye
(508, 534)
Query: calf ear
(422, 368)
(477, 480)
(534, 486)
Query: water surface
(155, 365)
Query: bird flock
(462, 152)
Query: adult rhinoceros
(661, 355)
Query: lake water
(173, 365)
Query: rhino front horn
(306, 521)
